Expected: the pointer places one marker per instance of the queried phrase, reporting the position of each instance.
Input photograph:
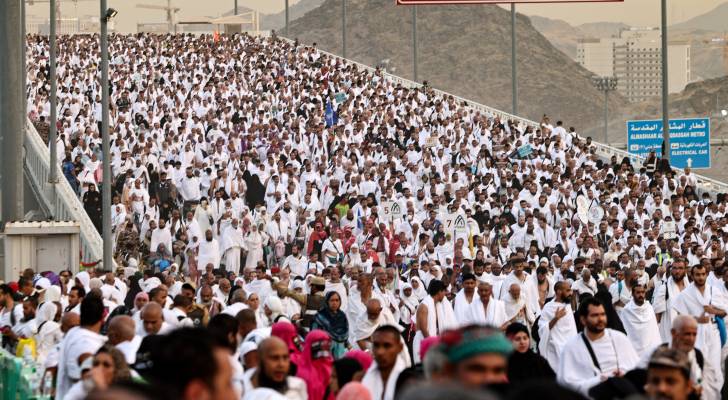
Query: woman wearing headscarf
(333, 321)
(273, 309)
(48, 333)
(407, 311)
(316, 240)
(286, 331)
(254, 246)
(418, 288)
(523, 363)
(316, 365)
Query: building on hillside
(634, 58)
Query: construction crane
(58, 5)
(171, 11)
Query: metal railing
(64, 204)
(606, 152)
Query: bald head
(121, 329)
(271, 344)
(374, 308)
(151, 316)
(70, 320)
(274, 360)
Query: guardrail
(705, 184)
(64, 205)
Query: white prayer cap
(298, 284)
(150, 284)
(247, 347)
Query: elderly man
(698, 301)
(486, 310)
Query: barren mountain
(464, 50)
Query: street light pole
(606, 85)
(105, 139)
(665, 88)
(287, 18)
(12, 117)
(343, 26)
(414, 40)
(514, 76)
(235, 10)
(52, 134)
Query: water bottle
(47, 386)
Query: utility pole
(606, 85)
(235, 9)
(287, 19)
(12, 118)
(105, 139)
(414, 40)
(514, 77)
(665, 88)
(343, 26)
(52, 136)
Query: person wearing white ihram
(556, 324)
(640, 324)
(596, 354)
(486, 310)
(434, 315)
(706, 305)
(665, 295)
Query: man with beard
(596, 354)
(208, 301)
(486, 310)
(465, 297)
(556, 324)
(270, 379)
(208, 252)
(665, 295)
(697, 300)
(639, 321)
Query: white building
(635, 59)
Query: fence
(605, 152)
(63, 205)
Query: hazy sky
(632, 12)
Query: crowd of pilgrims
(258, 255)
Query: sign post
(689, 141)
(391, 210)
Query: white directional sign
(392, 210)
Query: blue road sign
(689, 140)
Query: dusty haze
(631, 12)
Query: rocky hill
(277, 21)
(565, 36)
(464, 50)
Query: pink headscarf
(316, 373)
(427, 344)
(362, 357)
(286, 331)
(354, 391)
